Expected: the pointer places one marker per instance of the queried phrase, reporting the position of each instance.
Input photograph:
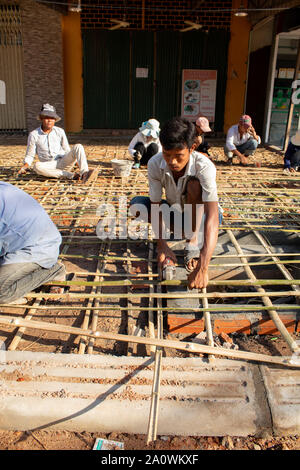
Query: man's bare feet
(57, 290)
(84, 177)
(191, 257)
(243, 160)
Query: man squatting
(189, 181)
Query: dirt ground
(115, 321)
(64, 440)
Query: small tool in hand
(168, 270)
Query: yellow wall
(237, 68)
(73, 83)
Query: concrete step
(98, 393)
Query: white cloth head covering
(150, 128)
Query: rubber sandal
(188, 256)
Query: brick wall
(157, 14)
(43, 65)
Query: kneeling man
(29, 246)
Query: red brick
(184, 325)
(239, 325)
(267, 327)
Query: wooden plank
(181, 345)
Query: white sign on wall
(141, 72)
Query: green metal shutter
(106, 79)
(142, 88)
(114, 97)
(168, 75)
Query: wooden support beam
(180, 345)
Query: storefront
(284, 86)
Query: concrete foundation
(113, 394)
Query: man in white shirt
(51, 145)
(189, 181)
(241, 140)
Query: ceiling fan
(119, 24)
(192, 26)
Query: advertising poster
(198, 94)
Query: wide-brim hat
(47, 110)
(296, 138)
(150, 128)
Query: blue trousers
(247, 148)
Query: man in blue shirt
(292, 154)
(29, 245)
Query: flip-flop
(188, 256)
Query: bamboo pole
(219, 309)
(179, 295)
(266, 300)
(95, 312)
(180, 345)
(284, 271)
(151, 302)
(212, 265)
(155, 394)
(179, 282)
(207, 323)
(88, 310)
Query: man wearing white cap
(51, 145)
(145, 143)
(292, 154)
(202, 126)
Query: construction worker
(189, 181)
(202, 126)
(145, 143)
(241, 140)
(29, 246)
(51, 145)
(292, 154)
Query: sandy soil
(64, 440)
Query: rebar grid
(255, 200)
